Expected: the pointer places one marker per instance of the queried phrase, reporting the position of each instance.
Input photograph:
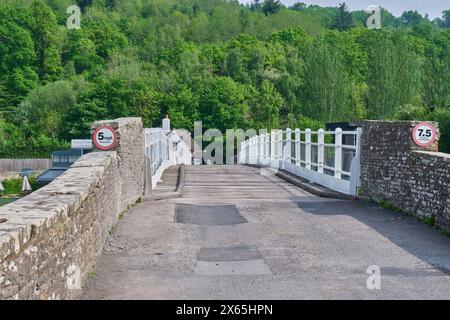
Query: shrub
(13, 186)
(443, 117)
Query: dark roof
(50, 175)
(71, 152)
(345, 126)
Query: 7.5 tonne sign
(424, 134)
(104, 138)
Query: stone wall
(409, 177)
(49, 240)
(130, 149)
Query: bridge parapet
(50, 239)
(129, 146)
(164, 148)
(412, 178)
(321, 156)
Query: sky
(433, 7)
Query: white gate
(328, 158)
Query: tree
(45, 30)
(411, 18)
(299, 6)
(326, 84)
(217, 61)
(436, 81)
(445, 19)
(343, 18)
(17, 61)
(265, 105)
(44, 108)
(271, 6)
(256, 5)
(82, 53)
(222, 104)
(111, 4)
(182, 107)
(83, 4)
(443, 117)
(389, 20)
(394, 74)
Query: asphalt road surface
(241, 233)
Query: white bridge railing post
(260, 149)
(272, 146)
(320, 150)
(288, 147)
(338, 154)
(308, 148)
(256, 150)
(240, 153)
(355, 177)
(248, 151)
(255, 141)
(252, 150)
(297, 146)
(280, 148)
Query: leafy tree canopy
(230, 65)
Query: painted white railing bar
(156, 147)
(157, 153)
(163, 149)
(319, 156)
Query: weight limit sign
(424, 134)
(104, 138)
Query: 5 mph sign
(424, 134)
(104, 138)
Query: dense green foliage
(343, 18)
(230, 65)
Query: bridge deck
(236, 233)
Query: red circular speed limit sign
(104, 138)
(424, 134)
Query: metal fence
(329, 158)
(162, 149)
(15, 165)
(157, 145)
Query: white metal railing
(329, 158)
(159, 154)
(157, 148)
(163, 149)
